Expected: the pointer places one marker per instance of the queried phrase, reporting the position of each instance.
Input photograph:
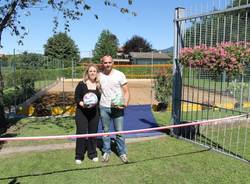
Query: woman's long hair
(86, 76)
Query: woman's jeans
(117, 117)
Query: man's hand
(117, 106)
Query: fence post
(177, 74)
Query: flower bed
(51, 104)
(229, 57)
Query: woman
(87, 117)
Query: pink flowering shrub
(229, 57)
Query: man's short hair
(107, 55)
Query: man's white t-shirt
(111, 86)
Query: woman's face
(92, 73)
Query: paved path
(10, 151)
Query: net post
(177, 75)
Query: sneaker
(105, 157)
(124, 158)
(96, 159)
(78, 162)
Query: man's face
(107, 63)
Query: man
(113, 85)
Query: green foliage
(107, 44)
(239, 2)
(24, 89)
(28, 86)
(67, 72)
(4, 60)
(137, 44)
(163, 87)
(9, 97)
(62, 47)
(27, 60)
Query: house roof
(149, 55)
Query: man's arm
(126, 94)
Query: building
(120, 61)
(149, 58)
(121, 58)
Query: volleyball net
(230, 135)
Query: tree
(235, 3)
(11, 19)
(137, 44)
(29, 59)
(62, 47)
(107, 44)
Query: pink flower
(226, 56)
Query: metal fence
(199, 94)
(23, 80)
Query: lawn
(166, 160)
(57, 126)
(41, 127)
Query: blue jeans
(117, 116)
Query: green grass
(162, 161)
(207, 114)
(232, 138)
(39, 127)
(212, 83)
(59, 126)
(206, 84)
(163, 118)
(142, 71)
(39, 84)
(166, 160)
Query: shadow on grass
(113, 145)
(10, 122)
(14, 178)
(154, 125)
(6, 135)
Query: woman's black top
(80, 91)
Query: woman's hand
(81, 103)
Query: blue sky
(154, 23)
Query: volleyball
(117, 100)
(90, 99)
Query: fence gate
(217, 99)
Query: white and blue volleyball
(90, 100)
(117, 100)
